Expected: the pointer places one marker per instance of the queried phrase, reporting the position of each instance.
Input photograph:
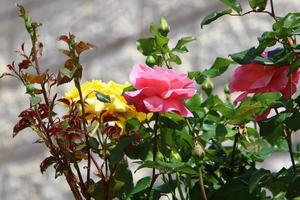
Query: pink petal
(143, 76)
(179, 93)
(177, 107)
(154, 104)
(241, 97)
(263, 116)
(251, 76)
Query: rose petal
(154, 104)
(177, 107)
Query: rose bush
(187, 140)
(159, 90)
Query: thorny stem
(83, 117)
(154, 151)
(201, 183)
(62, 162)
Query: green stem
(272, 9)
(234, 148)
(201, 183)
(288, 137)
(179, 186)
(83, 118)
(154, 151)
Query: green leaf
(245, 112)
(174, 58)
(183, 41)
(124, 175)
(258, 177)
(245, 57)
(293, 189)
(103, 97)
(94, 144)
(267, 99)
(141, 185)
(293, 121)
(272, 128)
(214, 16)
(198, 76)
(234, 4)
(194, 103)
(219, 67)
(234, 190)
(258, 4)
(34, 100)
(294, 66)
(66, 72)
(117, 153)
(146, 46)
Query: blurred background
(113, 26)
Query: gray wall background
(113, 26)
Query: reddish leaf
(36, 78)
(46, 163)
(66, 52)
(22, 124)
(64, 101)
(64, 38)
(69, 64)
(61, 79)
(82, 46)
(24, 64)
(37, 91)
(21, 10)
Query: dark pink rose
(159, 90)
(256, 78)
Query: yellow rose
(117, 107)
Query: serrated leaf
(82, 46)
(234, 4)
(198, 76)
(174, 58)
(219, 67)
(146, 46)
(257, 177)
(103, 97)
(294, 66)
(258, 4)
(183, 41)
(214, 16)
(141, 185)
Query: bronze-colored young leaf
(32, 78)
(82, 46)
(21, 10)
(46, 163)
(64, 38)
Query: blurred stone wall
(113, 26)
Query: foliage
(210, 153)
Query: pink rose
(257, 78)
(159, 90)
